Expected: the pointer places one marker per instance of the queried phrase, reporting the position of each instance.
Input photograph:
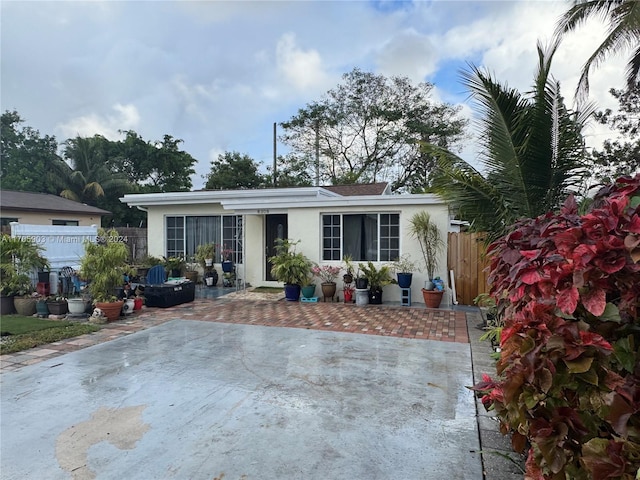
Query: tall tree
(532, 152)
(88, 177)
(623, 17)
(369, 128)
(619, 157)
(154, 166)
(26, 158)
(233, 170)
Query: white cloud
(408, 54)
(125, 118)
(301, 69)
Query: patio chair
(156, 275)
(66, 274)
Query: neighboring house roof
(44, 202)
(276, 200)
(380, 188)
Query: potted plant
(404, 268)
(361, 281)
(290, 267)
(348, 293)
(308, 290)
(57, 305)
(327, 275)
(428, 234)
(174, 266)
(227, 259)
(191, 269)
(205, 254)
(18, 257)
(348, 269)
(105, 265)
(377, 278)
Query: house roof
(380, 188)
(44, 202)
(275, 200)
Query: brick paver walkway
(267, 309)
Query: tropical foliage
(532, 152)
(623, 33)
(18, 258)
(568, 379)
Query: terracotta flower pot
(432, 298)
(111, 310)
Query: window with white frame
(363, 236)
(185, 232)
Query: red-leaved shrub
(568, 377)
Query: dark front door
(276, 227)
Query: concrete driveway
(201, 400)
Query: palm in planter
(428, 234)
(377, 278)
(105, 265)
(290, 267)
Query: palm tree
(88, 178)
(532, 152)
(624, 33)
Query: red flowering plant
(568, 377)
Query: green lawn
(21, 333)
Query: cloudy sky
(218, 74)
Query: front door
(276, 227)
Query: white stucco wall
(304, 224)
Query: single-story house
(45, 209)
(364, 221)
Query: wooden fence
(466, 257)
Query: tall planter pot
(292, 292)
(6, 305)
(25, 305)
(111, 310)
(432, 298)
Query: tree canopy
(233, 170)
(26, 158)
(369, 128)
(619, 157)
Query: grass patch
(29, 332)
(18, 324)
(268, 290)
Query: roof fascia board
(351, 201)
(218, 196)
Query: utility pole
(317, 153)
(275, 157)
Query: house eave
(277, 200)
